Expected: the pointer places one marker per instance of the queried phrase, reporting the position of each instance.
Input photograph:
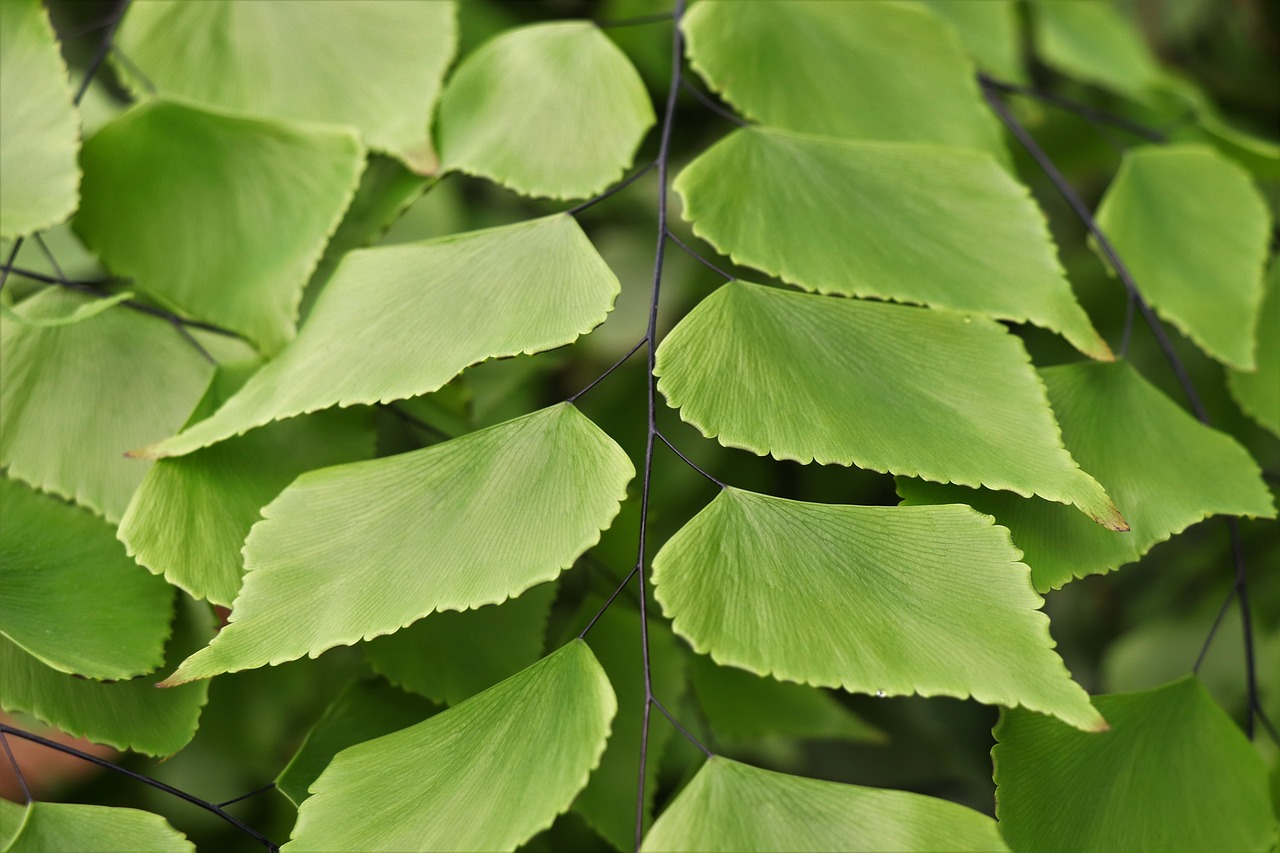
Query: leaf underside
(49, 827)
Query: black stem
(1085, 111)
(697, 257)
(267, 787)
(8, 264)
(17, 771)
(5, 728)
(103, 50)
(689, 461)
(688, 735)
(608, 602)
(414, 420)
(618, 187)
(705, 99)
(1246, 619)
(1213, 629)
(614, 367)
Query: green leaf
(76, 398)
(12, 817)
(453, 655)
(400, 321)
(165, 184)
(71, 596)
(190, 516)
(851, 382)
(883, 600)
(39, 126)
(860, 70)
(54, 827)
(376, 66)
(742, 707)
(1094, 43)
(1258, 393)
(485, 775)
(608, 803)
(125, 714)
(734, 807)
(911, 223)
(551, 110)
(76, 314)
(1129, 451)
(1199, 260)
(365, 710)
(1174, 773)
(356, 551)
(989, 31)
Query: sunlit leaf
(72, 598)
(400, 321)
(129, 714)
(1258, 393)
(734, 807)
(75, 314)
(929, 394)
(883, 600)
(1093, 42)
(860, 70)
(485, 775)
(56, 827)
(912, 223)
(360, 550)
(74, 399)
(39, 127)
(453, 655)
(1129, 451)
(221, 217)
(365, 710)
(742, 706)
(1174, 773)
(548, 110)
(990, 31)
(376, 66)
(1193, 231)
(190, 516)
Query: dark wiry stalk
(697, 257)
(612, 368)
(1092, 114)
(255, 792)
(17, 771)
(618, 187)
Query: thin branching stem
(616, 188)
(17, 771)
(689, 461)
(1213, 629)
(594, 382)
(582, 635)
(699, 258)
(255, 792)
(103, 49)
(706, 100)
(680, 728)
(1091, 114)
(5, 728)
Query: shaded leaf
(376, 66)
(843, 381)
(461, 780)
(860, 70)
(1129, 451)
(72, 402)
(400, 321)
(168, 189)
(75, 314)
(1174, 773)
(548, 110)
(1093, 42)
(883, 600)
(1258, 393)
(71, 596)
(125, 714)
(911, 223)
(742, 706)
(1193, 231)
(989, 31)
(734, 807)
(359, 550)
(365, 710)
(453, 655)
(39, 127)
(52, 827)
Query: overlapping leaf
(401, 321)
(50, 827)
(219, 216)
(72, 598)
(356, 551)
(1094, 43)
(1129, 449)
(1258, 393)
(912, 223)
(884, 600)
(1174, 773)
(461, 780)
(548, 110)
(453, 655)
(732, 807)
(125, 714)
(375, 66)
(190, 516)
(932, 394)
(74, 399)
(988, 30)
(864, 70)
(39, 127)
(1192, 229)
